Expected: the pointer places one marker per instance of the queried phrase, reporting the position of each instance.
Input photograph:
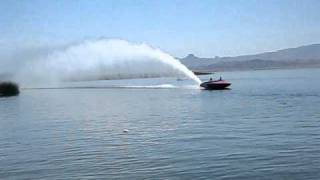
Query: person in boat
(220, 79)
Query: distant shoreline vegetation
(9, 89)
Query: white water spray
(105, 59)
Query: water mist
(104, 59)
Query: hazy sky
(202, 27)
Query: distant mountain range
(300, 57)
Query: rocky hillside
(300, 57)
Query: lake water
(266, 127)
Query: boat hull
(215, 85)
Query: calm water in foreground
(266, 127)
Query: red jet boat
(215, 84)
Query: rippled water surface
(266, 127)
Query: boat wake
(161, 86)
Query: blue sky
(203, 27)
